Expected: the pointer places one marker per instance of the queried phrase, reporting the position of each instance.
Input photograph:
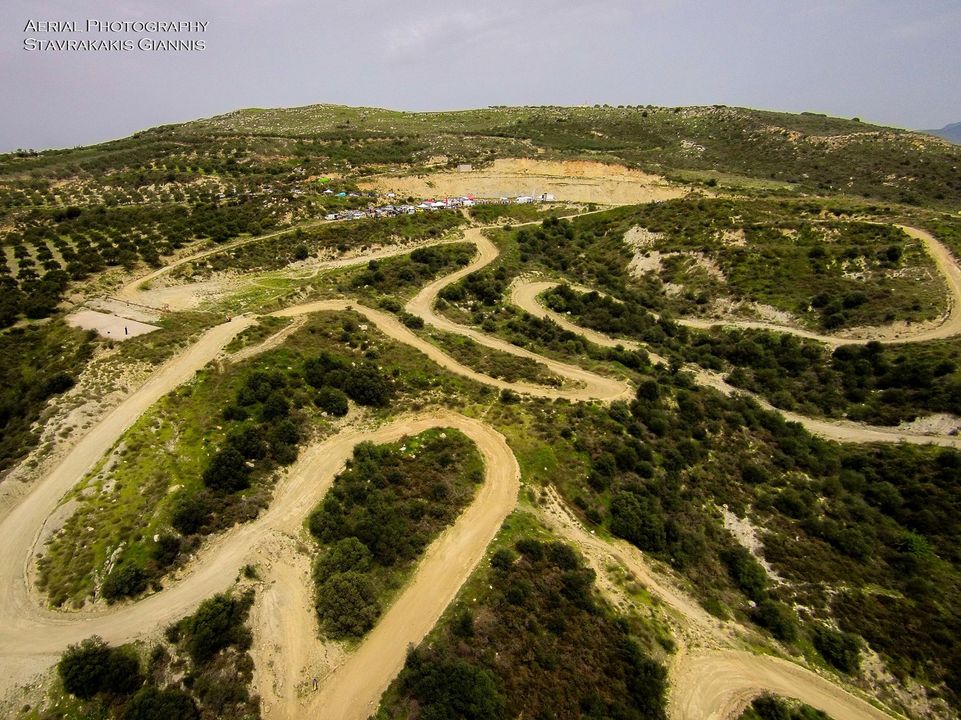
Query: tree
(122, 674)
(276, 406)
(332, 401)
(166, 549)
(227, 471)
(347, 604)
(249, 442)
(82, 668)
(316, 369)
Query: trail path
(526, 294)
(711, 678)
(593, 386)
(31, 637)
(21, 528)
(948, 326)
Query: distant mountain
(948, 132)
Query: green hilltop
(807, 151)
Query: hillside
(813, 152)
(613, 412)
(950, 132)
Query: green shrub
(346, 555)
(636, 519)
(366, 385)
(347, 604)
(93, 667)
(227, 471)
(151, 703)
(840, 649)
(332, 401)
(452, 688)
(777, 618)
(190, 512)
(83, 666)
(218, 623)
(127, 579)
(746, 572)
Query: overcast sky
(889, 61)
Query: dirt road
(711, 676)
(591, 386)
(525, 294)
(355, 688)
(31, 637)
(948, 326)
(720, 684)
(21, 528)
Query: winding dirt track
(949, 325)
(31, 636)
(719, 684)
(710, 677)
(526, 293)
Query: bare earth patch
(567, 181)
(936, 424)
(746, 535)
(108, 325)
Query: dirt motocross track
(712, 682)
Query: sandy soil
(110, 326)
(645, 260)
(287, 650)
(568, 181)
(719, 684)
(124, 309)
(745, 533)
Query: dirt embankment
(568, 181)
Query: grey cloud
(883, 60)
